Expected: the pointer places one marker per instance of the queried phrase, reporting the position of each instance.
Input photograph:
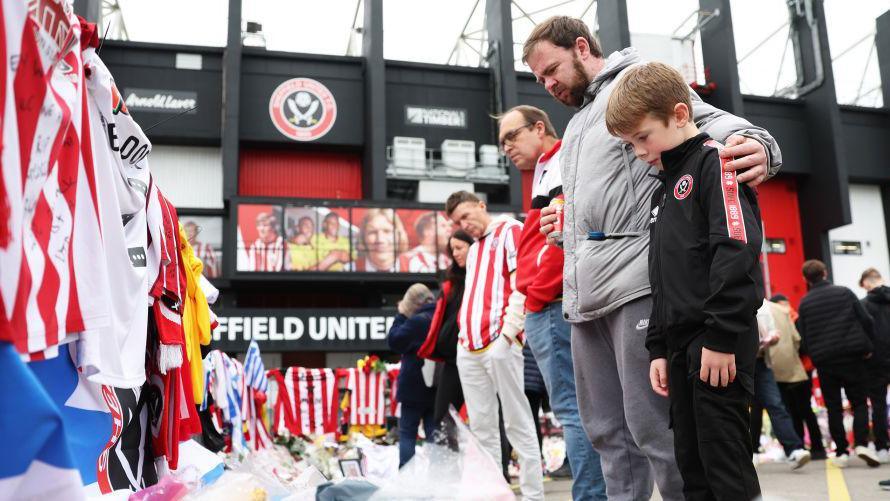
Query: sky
(428, 31)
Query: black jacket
(704, 250)
(834, 327)
(877, 304)
(406, 336)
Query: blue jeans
(550, 338)
(408, 425)
(766, 393)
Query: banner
(303, 329)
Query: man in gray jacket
(606, 293)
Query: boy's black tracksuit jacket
(704, 262)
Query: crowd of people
(635, 284)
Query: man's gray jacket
(607, 189)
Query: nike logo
(643, 324)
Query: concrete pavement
(817, 481)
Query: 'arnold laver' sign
(160, 101)
(303, 329)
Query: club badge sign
(303, 109)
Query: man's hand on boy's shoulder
(717, 369)
(658, 376)
(749, 157)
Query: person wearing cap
(407, 334)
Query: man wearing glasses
(528, 138)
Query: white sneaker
(868, 456)
(840, 461)
(884, 456)
(799, 458)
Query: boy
(706, 282)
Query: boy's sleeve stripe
(735, 220)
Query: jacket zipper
(659, 300)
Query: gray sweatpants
(627, 423)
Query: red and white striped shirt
(490, 262)
(207, 255)
(366, 400)
(52, 233)
(307, 404)
(266, 256)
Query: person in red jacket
(529, 139)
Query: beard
(576, 87)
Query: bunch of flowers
(371, 363)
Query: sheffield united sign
(352, 329)
(303, 109)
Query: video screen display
(305, 238)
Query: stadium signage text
(436, 117)
(161, 101)
(306, 330)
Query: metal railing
(432, 168)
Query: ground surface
(816, 481)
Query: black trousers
(852, 377)
(448, 390)
(877, 396)
(536, 401)
(797, 400)
(711, 431)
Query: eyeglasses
(510, 136)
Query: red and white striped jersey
(48, 181)
(490, 262)
(307, 404)
(366, 401)
(266, 256)
(419, 260)
(208, 256)
(392, 372)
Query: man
(301, 248)
(529, 139)
(433, 231)
(489, 358)
(267, 251)
(877, 304)
(835, 331)
(606, 293)
(204, 251)
(767, 395)
(792, 376)
(333, 248)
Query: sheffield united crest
(303, 109)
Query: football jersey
(264, 256)
(490, 261)
(307, 405)
(51, 238)
(366, 400)
(116, 355)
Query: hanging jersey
(366, 400)
(47, 182)
(392, 373)
(307, 405)
(116, 355)
(490, 262)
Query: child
(706, 283)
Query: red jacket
(539, 271)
